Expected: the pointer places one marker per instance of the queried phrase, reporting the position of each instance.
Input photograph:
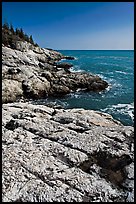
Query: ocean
(114, 66)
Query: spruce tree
(10, 36)
(21, 33)
(31, 39)
(17, 31)
(26, 37)
(12, 29)
(6, 26)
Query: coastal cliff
(55, 155)
(31, 72)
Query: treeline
(11, 35)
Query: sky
(74, 25)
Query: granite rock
(57, 155)
(43, 77)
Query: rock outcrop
(69, 57)
(32, 72)
(57, 155)
(54, 155)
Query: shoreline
(51, 154)
(39, 75)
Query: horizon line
(100, 49)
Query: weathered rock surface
(69, 57)
(54, 155)
(64, 65)
(32, 72)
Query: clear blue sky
(74, 25)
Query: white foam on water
(109, 87)
(62, 103)
(124, 109)
(75, 95)
(76, 69)
(123, 105)
(62, 60)
(101, 76)
(111, 82)
(100, 57)
(111, 57)
(102, 63)
(121, 72)
(109, 64)
(118, 57)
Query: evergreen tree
(31, 39)
(21, 33)
(10, 36)
(26, 37)
(36, 45)
(12, 29)
(4, 39)
(6, 26)
(17, 31)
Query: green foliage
(6, 26)
(26, 37)
(21, 33)
(31, 39)
(10, 36)
(12, 29)
(17, 31)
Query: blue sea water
(114, 66)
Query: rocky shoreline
(30, 72)
(57, 155)
(50, 154)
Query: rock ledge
(57, 155)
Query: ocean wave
(108, 64)
(118, 57)
(124, 109)
(102, 63)
(74, 95)
(109, 87)
(124, 105)
(76, 69)
(61, 103)
(100, 57)
(121, 72)
(102, 76)
(62, 60)
(111, 57)
(113, 83)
